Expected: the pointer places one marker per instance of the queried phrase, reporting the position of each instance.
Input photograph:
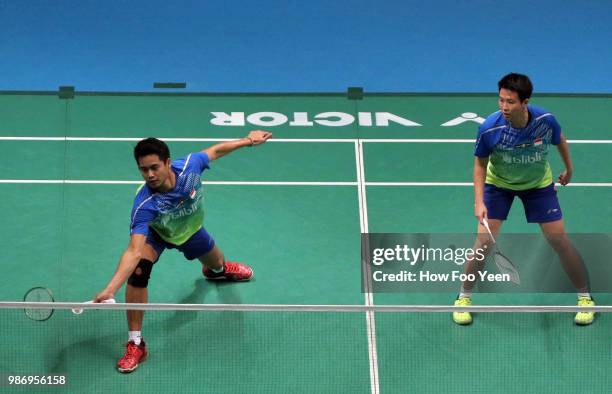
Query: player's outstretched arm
(255, 137)
(127, 264)
(566, 176)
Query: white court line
(68, 181)
(30, 181)
(419, 140)
(576, 184)
(272, 183)
(169, 139)
(590, 141)
(32, 138)
(317, 140)
(229, 183)
(419, 184)
(369, 296)
(462, 141)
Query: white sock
(584, 295)
(465, 293)
(135, 336)
(218, 270)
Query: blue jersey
(518, 157)
(178, 214)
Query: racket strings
(39, 294)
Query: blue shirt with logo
(178, 214)
(518, 157)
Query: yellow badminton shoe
(585, 318)
(462, 318)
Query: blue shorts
(541, 205)
(198, 245)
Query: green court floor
(290, 209)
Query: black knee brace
(140, 276)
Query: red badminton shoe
(237, 272)
(134, 355)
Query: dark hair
(518, 83)
(151, 146)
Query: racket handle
(486, 225)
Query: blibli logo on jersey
(183, 212)
(186, 208)
(523, 159)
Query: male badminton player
(168, 214)
(511, 161)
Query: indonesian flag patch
(192, 194)
(537, 142)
